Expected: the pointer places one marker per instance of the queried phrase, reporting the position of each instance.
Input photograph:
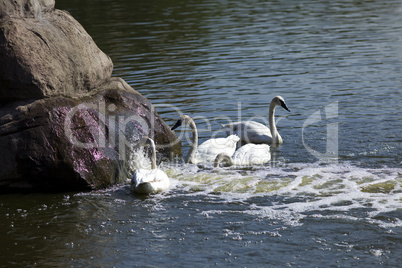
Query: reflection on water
(225, 60)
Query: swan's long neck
(272, 125)
(223, 157)
(153, 153)
(194, 143)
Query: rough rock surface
(65, 123)
(47, 53)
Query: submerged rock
(65, 123)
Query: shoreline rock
(65, 123)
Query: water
(320, 201)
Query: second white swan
(208, 150)
(254, 132)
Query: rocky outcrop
(65, 123)
(45, 52)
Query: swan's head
(278, 100)
(185, 119)
(223, 157)
(145, 140)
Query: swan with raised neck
(185, 119)
(255, 132)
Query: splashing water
(295, 191)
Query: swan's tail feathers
(234, 138)
(228, 129)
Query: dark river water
(332, 193)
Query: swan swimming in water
(247, 155)
(254, 132)
(147, 181)
(208, 150)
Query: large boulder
(65, 123)
(62, 143)
(45, 52)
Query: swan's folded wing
(149, 175)
(156, 180)
(208, 150)
(251, 154)
(142, 176)
(205, 153)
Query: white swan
(208, 150)
(249, 154)
(254, 132)
(147, 181)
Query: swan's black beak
(178, 124)
(284, 106)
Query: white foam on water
(299, 190)
(292, 191)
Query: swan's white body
(208, 150)
(148, 181)
(249, 154)
(254, 132)
(251, 132)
